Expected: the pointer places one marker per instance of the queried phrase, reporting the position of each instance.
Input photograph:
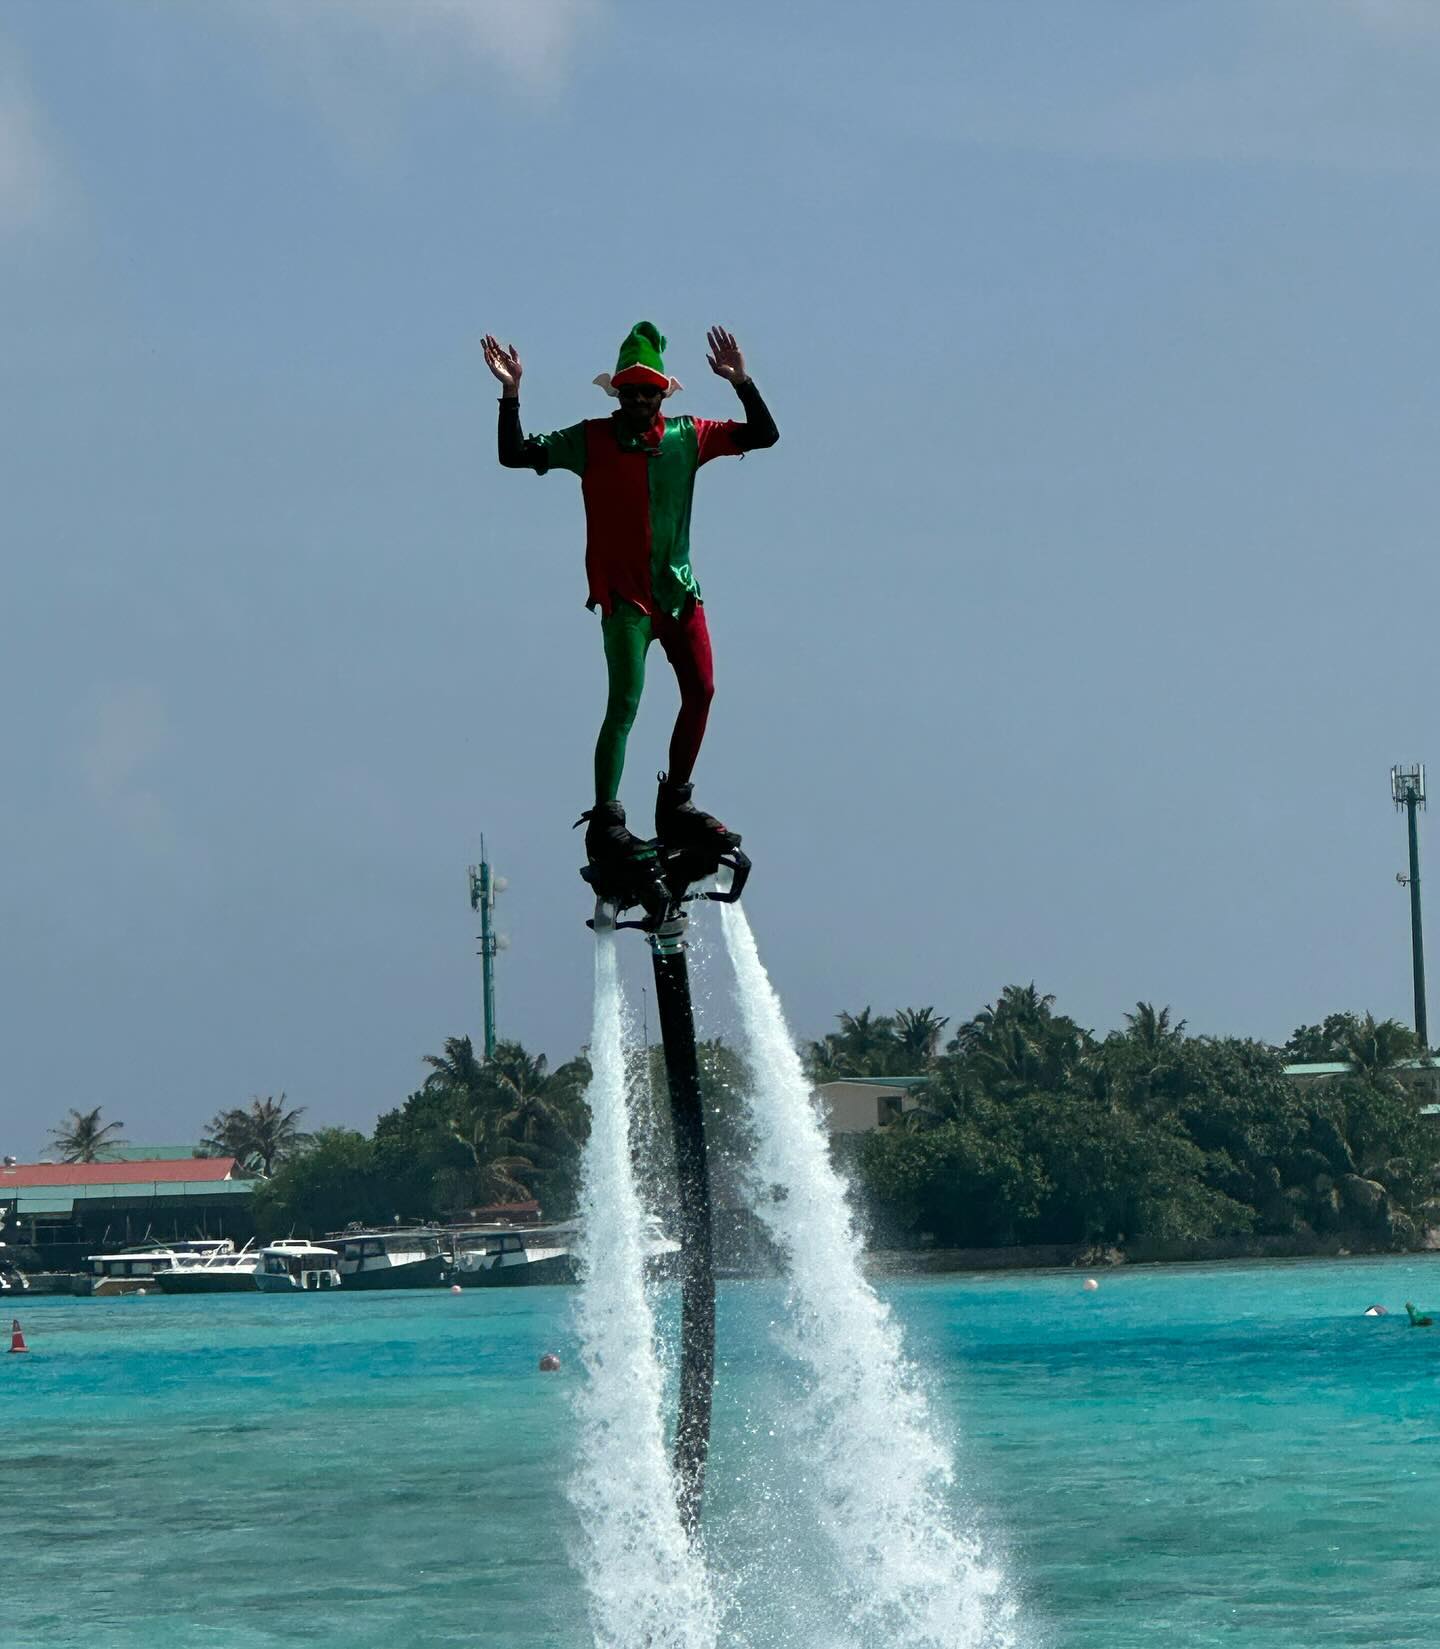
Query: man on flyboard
(637, 477)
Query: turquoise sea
(1218, 1455)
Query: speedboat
(293, 1267)
(133, 1270)
(389, 1259)
(219, 1273)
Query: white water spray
(647, 1587)
(880, 1468)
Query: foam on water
(647, 1588)
(882, 1474)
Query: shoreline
(929, 1262)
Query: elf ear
(603, 382)
(674, 385)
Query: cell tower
(1407, 791)
(484, 885)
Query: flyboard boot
(623, 870)
(680, 826)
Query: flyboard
(660, 884)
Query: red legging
(628, 633)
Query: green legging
(686, 639)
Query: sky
(1068, 635)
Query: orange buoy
(17, 1339)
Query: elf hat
(641, 362)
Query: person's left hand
(725, 357)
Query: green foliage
(334, 1179)
(1367, 1043)
(1031, 1130)
(504, 1130)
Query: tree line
(1026, 1128)
(1031, 1129)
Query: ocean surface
(1188, 1456)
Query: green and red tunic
(637, 491)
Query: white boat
(389, 1258)
(219, 1273)
(134, 1270)
(292, 1267)
(509, 1256)
(12, 1279)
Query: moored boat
(397, 1258)
(219, 1273)
(293, 1267)
(135, 1270)
(510, 1256)
(515, 1256)
(12, 1279)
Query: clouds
(363, 66)
(126, 735)
(534, 41)
(31, 188)
(525, 45)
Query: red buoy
(17, 1339)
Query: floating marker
(17, 1339)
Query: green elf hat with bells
(642, 361)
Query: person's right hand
(504, 363)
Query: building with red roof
(65, 1210)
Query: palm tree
(865, 1045)
(83, 1137)
(1153, 1030)
(227, 1134)
(1018, 1042)
(542, 1116)
(496, 1169)
(917, 1030)
(275, 1132)
(457, 1067)
(259, 1137)
(520, 1122)
(1375, 1046)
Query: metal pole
(697, 1269)
(487, 953)
(1417, 942)
(482, 898)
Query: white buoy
(1091, 1285)
(455, 1288)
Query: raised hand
(504, 363)
(725, 357)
